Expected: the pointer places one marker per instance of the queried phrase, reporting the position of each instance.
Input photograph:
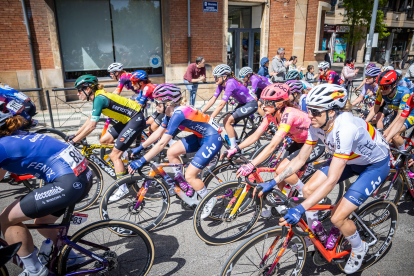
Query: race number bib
(78, 218)
(22, 97)
(15, 107)
(215, 125)
(75, 159)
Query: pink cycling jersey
(294, 123)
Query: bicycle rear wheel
(249, 257)
(381, 217)
(4, 271)
(132, 255)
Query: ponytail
(11, 125)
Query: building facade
(69, 38)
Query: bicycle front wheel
(133, 255)
(251, 258)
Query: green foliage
(358, 16)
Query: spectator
(279, 66)
(310, 75)
(404, 58)
(328, 56)
(196, 72)
(264, 68)
(348, 72)
(381, 61)
(292, 66)
(410, 72)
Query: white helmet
(327, 96)
(324, 65)
(388, 68)
(221, 70)
(115, 67)
(245, 71)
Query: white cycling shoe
(208, 208)
(43, 272)
(120, 193)
(355, 260)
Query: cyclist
(247, 106)
(357, 148)
(117, 72)
(127, 112)
(293, 75)
(205, 140)
(327, 75)
(395, 97)
(291, 122)
(58, 164)
(370, 65)
(404, 81)
(370, 86)
(295, 88)
(257, 82)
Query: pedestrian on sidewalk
(404, 58)
(196, 72)
(348, 72)
(279, 65)
(264, 68)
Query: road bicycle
(282, 250)
(126, 249)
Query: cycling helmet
(139, 75)
(327, 96)
(221, 70)
(388, 68)
(373, 72)
(324, 65)
(167, 92)
(115, 67)
(387, 78)
(296, 86)
(292, 75)
(245, 71)
(399, 74)
(370, 65)
(276, 91)
(86, 81)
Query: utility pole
(371, 35)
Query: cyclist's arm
(393, 123)
(373, 112)
(154, 137)
(362, 83)
(269, 149)
(218, 109)
(209, 104)
(158, 147)
(99, 103)
(118, 89)
(358, 100)
(395, 128)
(252, 138)
(88, 127)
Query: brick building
(73, 37)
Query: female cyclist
(296, 89)
(357, 148)
(68, 180)
(257, 82)
(117, 73)
(370, 86)
(247, 106)
(205, 140)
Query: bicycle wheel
(394, 192)
(94, 192)
(219, 228)
(149, 214)
(53, 133)
(381, 217)
(4, 271)
(132, 255)
(269, 161)
(250, 257)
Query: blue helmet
(139, 75)
(292, 75)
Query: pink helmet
(167, 92)
(276, 91)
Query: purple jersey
(367, 87)
(124, 81)
(236, 90)
(258, 82)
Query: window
(239, 17)
(95, 33)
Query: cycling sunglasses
(216, 77)
(385, 87)
(368, 77)
(314, 112)
(269, 103)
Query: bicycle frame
(87, 151)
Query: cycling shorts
(158, 117)
(53, 198)
(258, 93)
(370, 177)
(126, 133)
(206, 147)
(244, 110)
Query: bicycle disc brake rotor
(265, 270)
(112, 259)
(135, 211)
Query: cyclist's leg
(291, 152)
(175, 151)
(109, 137)
(228, 126)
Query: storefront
(334, 39)
(396, 43)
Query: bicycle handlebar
(139, 171)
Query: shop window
(240, 17)
(95, 33)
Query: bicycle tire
(271, 233)
(96, 182)
(4, 271)
(53, 131)
(391, 212)
(396, 191)
(130, 200)
(79, 236)
(218, 219)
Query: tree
(358, 16)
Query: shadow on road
(165, 248)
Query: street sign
(374, 41)
(210, 6)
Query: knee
(104, 141)
(189, 177)
(115, 154)
(307, 191)
(337, 221)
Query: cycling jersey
(367, 87)
(187, 118)
(294, 123)
(307, 85)
(147, 93)
(351, 138)
(404, 82)
(114, 106)
(302, 103)
(258, 82)
(331, 77)
(398, 102)
(236, 90)
(124, 81)
(40, 155)
(409, 107)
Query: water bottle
(286, 190)
(280, 208)
(319, 231)
(227, 139)
(45, 251)
(333, 237)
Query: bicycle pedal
(338, 261)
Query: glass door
(231, 50)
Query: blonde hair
(99, 86)
(12, 124)
(347, 107)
